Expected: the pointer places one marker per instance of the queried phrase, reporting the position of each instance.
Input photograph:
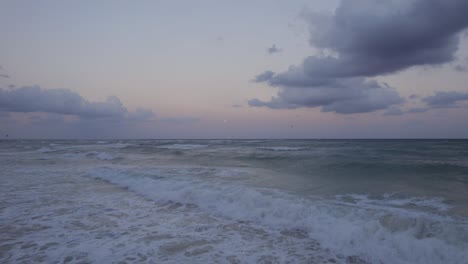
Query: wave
(44, 150)
(104, 156)
(431, 203)
(95, 154)
(119, 145)
(380, 234)
(183, 146)
(280, 148)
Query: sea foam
(377, 235)
(183, 146)
(44, 150)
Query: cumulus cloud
(372, 38)
(445, 99)
(345, 97)
(364, 39)
(273, 49)
(28, 99)
(263, 77)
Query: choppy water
(234, 201)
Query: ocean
(234, 201)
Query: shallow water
(234, 201)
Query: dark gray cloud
(445, 99)
(363, 39)
(263, 77)
(294, 77)
(439, 100)
(237, 106)
(273, 49)
(371, 38)
(66, 102)
(346, 97)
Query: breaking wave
(380, 234)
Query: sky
(234, 69)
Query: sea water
(234, 201)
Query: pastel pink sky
(192, 63)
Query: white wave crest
(437, 204)
(104, 156)
(380, 236)
(44, 150)
(94, 154)
(183, 146)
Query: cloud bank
(28, 99)
(345, 97)
(445, 99)
(364, 39)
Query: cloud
(237, 106)
(461, 68)
(393, 111)
(364, 39)
(439, 100)
(345, 97)
(417, 110)
(371, 38)
(28, 99)
(273, 49)
(263, 77)
(3, 75)
(445, 99)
